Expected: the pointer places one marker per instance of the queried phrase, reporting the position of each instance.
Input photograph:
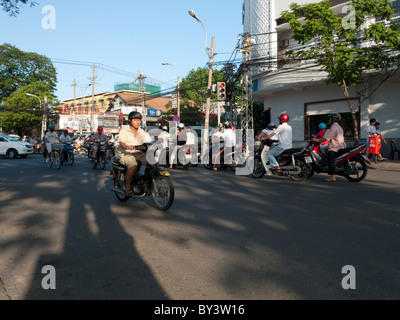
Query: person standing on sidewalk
(336, 142)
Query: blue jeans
(275, 151)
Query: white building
(299, 89)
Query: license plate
(308, 159)
(188, 156)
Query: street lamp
(208, 103)
(177, 91)
(40, 102)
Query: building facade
(299, 88)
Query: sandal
(128, 191)
(215, 169)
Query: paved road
(225, 237)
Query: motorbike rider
(163, 141)
(320, 134)
(181, 137)
(264, 154)
(284, 133)
(336, 142)
(50, 138)
(129, 137)
(64, 138)
(229, 142)
(97, 138)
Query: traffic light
(221, 91)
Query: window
(318, 112)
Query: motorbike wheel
(164, 196)
(71, 158)
(361, 167)
(57, 160)
(305, 171)
(259, 170)
(102, 161)
(119, 183)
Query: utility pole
(141, 77)
(179, 107)
(93, 104)
(247, 103)
(74, 116)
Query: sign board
(154, 112)
(176, 119)
(174, 101)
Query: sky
(129, 35)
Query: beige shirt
(128, 137)
(335, 137)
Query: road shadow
(93, 256)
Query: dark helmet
(335, 116)
(284, 117)
(66, 131)
(51, 127)
(134, 115)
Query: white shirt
(128, 137)
(52, 137)
(285, 135)
(268, 132)
(190, 138)
(64, 138)
(163, 139)
(229, 138)
(371, 131)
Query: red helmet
(284, 117)
(100, 128)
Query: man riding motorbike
(336, 142)
(264, 154)
(285, 136)
(129, 137)
(97, 138)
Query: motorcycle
(155, 183)
(184, 163)
(232, 163)
(350, 163)
(292, 163)
(101, 156)
(68, 153)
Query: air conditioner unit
(284, 43)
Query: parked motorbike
(350, 163)
(68, 153)
(292, 163)
(155, 183)
(101, 157)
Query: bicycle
(54, 157)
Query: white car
(13, 148)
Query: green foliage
(194, 86)
(190, 114)
(340, 45)
(22, 73)
(12, 7)
(19, 68)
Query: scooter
(292, 163)
(350, 163)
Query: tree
(194, 86)
(22, 73)
(12, 6)
(359, 51)
(19, 68)
(190, 113)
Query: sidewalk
(388, 165)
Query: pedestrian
(336, 142)
(380, 137)
(371, 133)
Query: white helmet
(181, 125)
(164, 128)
